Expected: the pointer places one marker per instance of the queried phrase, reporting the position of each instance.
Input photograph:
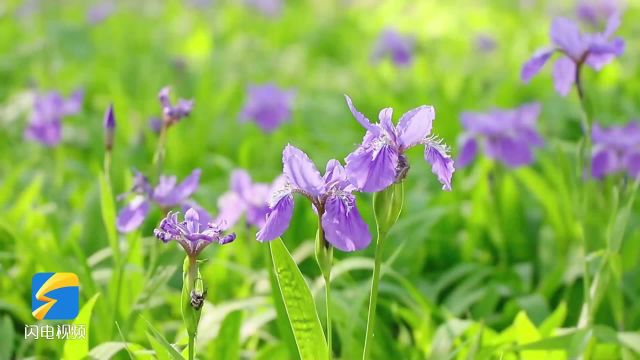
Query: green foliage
(301, 309)
(491, 270)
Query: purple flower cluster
(45, 125)
(247, 198)
(173, 113)
(331, 196)
(190, 233)
(616, 149)
(167, 194)
(268, 106)
(381, 161)
(507, 135)
(576, 49)
(396, 46)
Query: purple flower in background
(506, 135)
(190, 233)
(616, 149)
(155, 124)
(171, 114)
(380, 160)
(269, 8)
(576, 49)
(331, 197)
(99, 12)
(246, 198)
(397, 46)
(45, 125)
(597, 11)
(485, 43)
(267, 105)
(167, 194)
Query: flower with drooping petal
(396, 46)
(576, 49)
(616, 149)
(246, 198)
(268, 106)
(331, 196)
(507, 135)
(167, 194)
(173, 113)
(45, 125)
(380, 160)
(190, 233)
(597, 11)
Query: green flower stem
(324, 257)
(373, 297)
(584, 169)
(327, 297)
(387, 206)
(190, 315)
(158, 156)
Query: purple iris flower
(99, 12)
(397, 46)
(49, 108)
(167, 194)
(190, 233)
(506, 135)
(173, 113)
(595, 11)
(268, 106)
(616, 149)
(246, 198)
(269, 8)
(331, 196)
(576, 49)
(380, 160)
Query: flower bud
(324, 253)
(109, 127)
(190, 314)
(387, 206)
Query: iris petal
(415, 125)
(343, 226)
(131, 216)
(372, 170)
(564, 74)
(300, 171)
(181, 191)
(278, 219)
(441, 164)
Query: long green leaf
(282, 322)
(108, 210)
(301, 309)
(79, 348)
(7, 336)
(227, 344)
(164, 346)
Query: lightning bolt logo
(61, 306)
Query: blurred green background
(469, 273)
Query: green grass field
(501, 267)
